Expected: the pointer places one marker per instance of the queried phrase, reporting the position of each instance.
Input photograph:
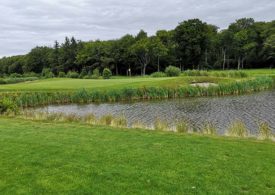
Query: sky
(25, 24)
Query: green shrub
(95, 74)
(7, 106)
(73, 75)
(107, 73)
(83, 73)
(172, 71)
(87, 77)
(158, 74)
(2, 82)
(61, 74)
(19, 80)
(15, 75)
(196, 73)
(47, 73)
(30, 74)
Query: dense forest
(193, 44)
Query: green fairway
(43, 158)
(74, 84)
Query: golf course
(71, 156)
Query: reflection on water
(220, 111)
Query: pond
(220, 111)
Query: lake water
(220, 111)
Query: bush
(73, 75)
(30, 74)
(158, 74)
(83, 73)
(87, 77)
(172, 71)
(61, 74)
(107, 73)
(2, 82)
(95, 74)
(15, 75)
(7, 106)
(18, 80)
(196, 73)
(47, 73)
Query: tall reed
(237, 129)
(264, 131)
(34, 99)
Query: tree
(54, 58)
(191, 39)
(243, 38)
(37, 59)
(158, 50)
(225, 41)
(269, 48)
(146, 49)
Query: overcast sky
(27, 23)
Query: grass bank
(32, 99)
(41, 157)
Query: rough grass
(62, 158)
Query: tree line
(193, 44)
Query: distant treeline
(193, 44)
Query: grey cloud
(27, 23)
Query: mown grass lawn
(76, 84)
(41, 157)
(123, 82)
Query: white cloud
(27, 23)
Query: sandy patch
(204, 84)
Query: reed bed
(236, 128)
(34, 99)
(229, 74)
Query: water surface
(221, 111)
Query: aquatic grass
(229, 74)
(196, 73)
(120, 122)
(34, 99)
(182, 127)
(90, 119)
(106, 120)
(161, 125)
(138, 125)
(264, 131)
(209, 129)
(237, 129)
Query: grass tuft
(161, 125)
(264, 131)
(237, 129)
(182, 127)
(209, 129)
